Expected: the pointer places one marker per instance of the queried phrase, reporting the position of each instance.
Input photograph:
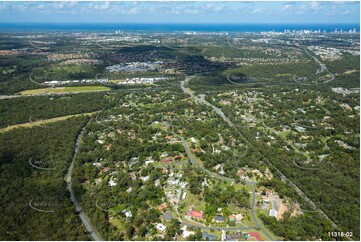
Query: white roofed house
(128, 214)
(149, 161)
(144, 178)
(112, 182)
(161, 227)
(273, 213)
(164, 154)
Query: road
(78, 208)
(217, 228)
(279, 173)
(322, 65)
(258, 225)
(211, 174)
(217, 110)
(323, 68)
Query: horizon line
(203, 23)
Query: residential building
(208, 237)
(234, 237)
(219, 219)
(273, 213)
(194, 214)
(161, 227)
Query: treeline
(309, 226)
(270, 70)
(35, 204)
(30, 109)
(346, 63)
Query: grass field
(199, 204)
(64, 90)
(118, 224)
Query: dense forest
(26, 188)
(30, 109)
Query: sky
(180, 12)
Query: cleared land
(64, 90)
(42, 122)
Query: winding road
(224, 178)
(96, 237)
(78, 208)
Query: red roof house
(194, 214)
(255, 235)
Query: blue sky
(180, 12)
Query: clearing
(64, 90)
(42, 122)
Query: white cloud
(205, 9)
(287, 7)
(258, 10)
(315, 6)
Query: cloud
(315, 6)
(258, 10)
(103, 6)
(287, 7)
(167, 10)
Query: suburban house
(219, 219)
(177, 157)
(186, 233)
(162, 206)
(144, 178)
(161, 227)
(254, 235)
(239, 218)
(234, 237)
(194, 214)
(112, 182)
(128, 214)
(132, 176)
(232, 218)
(208, 237)
(273, 213)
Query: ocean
(160, 27)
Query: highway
(78, 208)
(323, 67)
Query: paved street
(224, 178)
(78, 208)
